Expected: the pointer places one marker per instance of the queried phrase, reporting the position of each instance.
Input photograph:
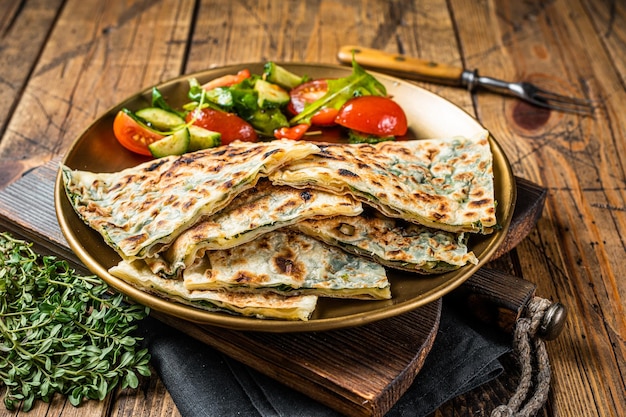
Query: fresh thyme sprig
(62, 332)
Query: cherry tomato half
(227, 80)
(308, 93)
(374, 115)
(231, 126)
(132, 135)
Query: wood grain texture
(83, 56)
(341, 368)
(96, 54)
(576, 254)
(20, 46)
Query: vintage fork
(409, 67)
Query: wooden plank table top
(65, 62)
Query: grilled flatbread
(289, 263)
(393, 242)
(255, 229)
(259, 305)
(441, 183)
(140, 209)
(256, 211)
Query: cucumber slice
(278, 75)
(160, 119)
(271, 95)
(175, 144)
(201, 138)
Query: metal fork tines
(531, 93)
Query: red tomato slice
(294, 132)
(374, 115)
(227, 80)
(132, 135)
(231, 126)
(308, 93)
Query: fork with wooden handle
(409, 67)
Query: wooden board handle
(494, 298)
(401, 65)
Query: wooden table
(65, 62)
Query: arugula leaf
(340, 90)
(159, 101)
(195, 92)
(245, 98)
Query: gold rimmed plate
(429, 115)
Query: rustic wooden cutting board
(343, 368)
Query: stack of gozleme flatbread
(263, 229)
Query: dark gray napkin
(205, 383)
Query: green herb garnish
(340, 90)
(62, 332)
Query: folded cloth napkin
(205, 383)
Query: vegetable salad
(276, 104)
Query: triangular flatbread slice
(141, 209)
(393, 242)
(258, 305)
(441, 183)
(254, 212)
(287, 262)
